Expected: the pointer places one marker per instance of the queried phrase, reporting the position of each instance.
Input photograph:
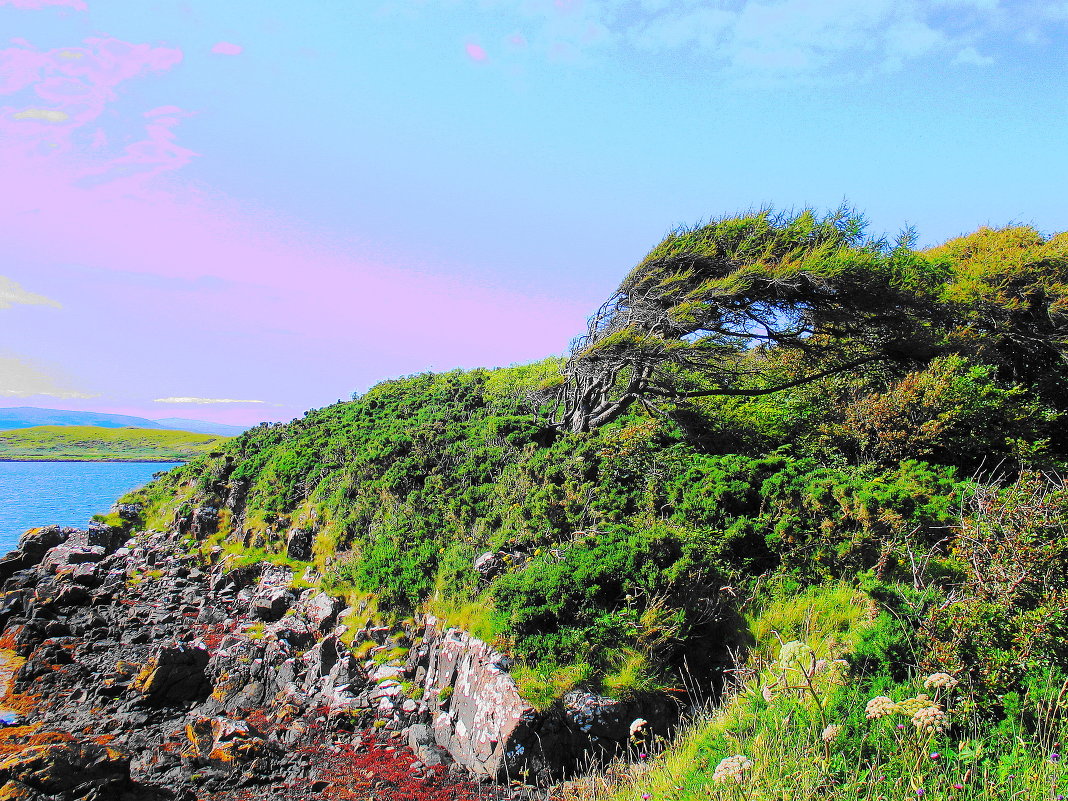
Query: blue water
(68, 493)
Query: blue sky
(283, 203)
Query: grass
(543, 685)
(799, 721)
(92, 443)
(866, 760)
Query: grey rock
(299, 544)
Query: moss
(543, 686)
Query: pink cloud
(147, 158)
(77, 5)
(201, 274)
(227, 49)
(195, 275)
(56, 104)
(476, 52)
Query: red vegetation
(377, 770)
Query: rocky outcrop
(32, 546)
(198, 678)
(477, 715)
(65, 769)
(299, 544)
(164, 677)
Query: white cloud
(703, 27)
(12, 294)
(1056, 11)
(204, 400)
(21, 379)
(46, 114)
(776, 40)
(911, 38)
(801, 37)
(971, 56)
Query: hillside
(31, 416)
(12, 417)
(797, 487)
(93, 443)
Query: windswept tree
(706, 308)
(1006, 304)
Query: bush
(1006, 625)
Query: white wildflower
(930, 720)
(880, 707)
(795, 653)
(732, 769)
(636, 727)
(943, 680)
(832, 733)
(767, 694)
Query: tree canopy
(702, 310)
(712, 306)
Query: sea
(67, 493)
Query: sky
(236, 211)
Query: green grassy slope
(903, 521)
(92, 443)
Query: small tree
(706, 308)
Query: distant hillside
(29, 416)
(201, 426)
(97, 443)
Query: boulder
(421, 741)
(205, 522)
(238, 578)
(224, 741)
(299, 544)
(294, 631)
(107, 537)
(322, 611)
(36, 541)
(174, 674)
(87, 575)
(32, 546)
(63, 557)
(489, 565)
(486, 726)
(71, 768)
(129, 511)
(271, 604)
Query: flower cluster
(910, 706)
(732, 769)
(940, 680)
(796, 653)
(930, 720)
(880, 707)
(831, 733)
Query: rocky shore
(136, 670)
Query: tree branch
(768, 390)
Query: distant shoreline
(77, 459)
